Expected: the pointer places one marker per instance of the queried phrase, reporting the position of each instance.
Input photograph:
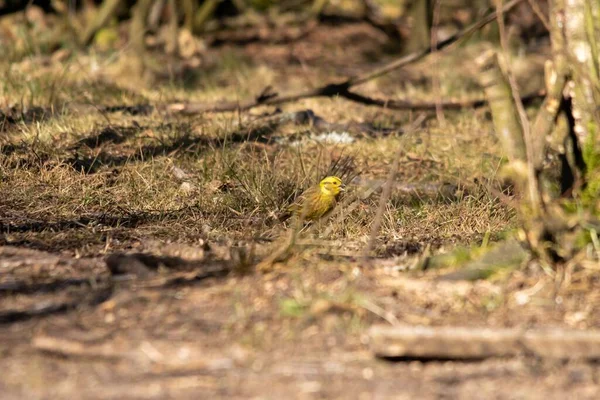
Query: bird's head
(332, 185)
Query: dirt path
(291, 334)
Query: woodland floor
(94, 167)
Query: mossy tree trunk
(564, 220)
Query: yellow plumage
(317, 201)
(312, 205)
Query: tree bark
(421, 15)
(504, 112)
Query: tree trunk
(421, 15)
(565, 129)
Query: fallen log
(464, 343)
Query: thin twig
(387, 190)
(380, 312)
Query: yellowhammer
(317, 201)
(313, 204)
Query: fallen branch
(72, 348)
(431, 106)
(343, 89)
(198, 108)
(462, 343)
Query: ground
(131, 232)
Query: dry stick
(342, 89)
(387, 190)
(428, 106)
(194, 108)
(73, 348)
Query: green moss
(455, 258)
(590, 154)
(570, 206)
(591, 157)
(584, 237)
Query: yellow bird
(317, 201)
(312, 205)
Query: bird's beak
(342, 188)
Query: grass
(236, 188)
(107, 180)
